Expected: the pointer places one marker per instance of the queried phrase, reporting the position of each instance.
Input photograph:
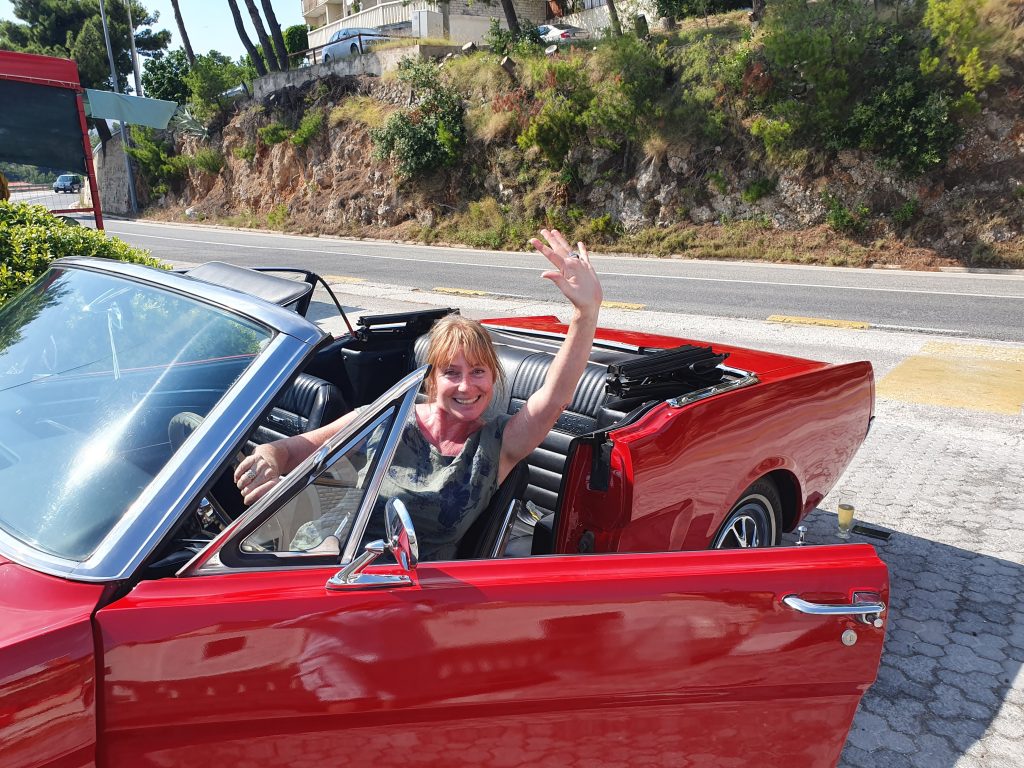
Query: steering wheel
(223, 494)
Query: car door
(258, 654)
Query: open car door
(262, 653)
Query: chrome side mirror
(401, 543)
(401, 535)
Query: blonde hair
(453, 334)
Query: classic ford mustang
(619, 602)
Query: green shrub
(274, 133)
(507, 43)
(207, 159)
(431, 134)
(904, 115)
(210, 76)
(717, 180)
(906, 213)
(757, 189)
(961, 37)
(245, 152)
(31, 237)
(679, 9)
(277, 218)
(842, 219)
(154, 155)
(842, 76)
(776, 133)
(627, 80)
(554, 130)
(311, 124)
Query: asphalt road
(986, 306)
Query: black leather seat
(307, 404)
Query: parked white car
(561, 33)
(351, 41)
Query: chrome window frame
(149, 519)
(208, 562)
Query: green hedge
(31, 237)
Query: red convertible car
(150, 619)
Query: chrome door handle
(870, 612)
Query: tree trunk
(757, 11)
(191, 57)
(254, 55)
(510, 16)
(613, 17)
(275, 32)
(261, 33)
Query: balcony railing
(311, 5)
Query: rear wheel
(753, 520)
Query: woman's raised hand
(572, 273)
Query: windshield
(92, 370)
(66, 178)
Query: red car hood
(47, 668)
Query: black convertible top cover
(278, 290)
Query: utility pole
(135, 54)
(124, 131)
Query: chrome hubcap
(744, 532)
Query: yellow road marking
(343, 279)
(852, 324)
(621, 305)
(977, 377)
(461, 291)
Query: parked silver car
(351, 41)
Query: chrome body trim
(164, 500)
(506, 530)
(742, 379)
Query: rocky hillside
(682, 197)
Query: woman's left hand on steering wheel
(257, 473)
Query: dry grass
(410, 42)
(655, 148)
(487, 126)
(361, 109)
(478, 77)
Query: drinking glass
(845, 509)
